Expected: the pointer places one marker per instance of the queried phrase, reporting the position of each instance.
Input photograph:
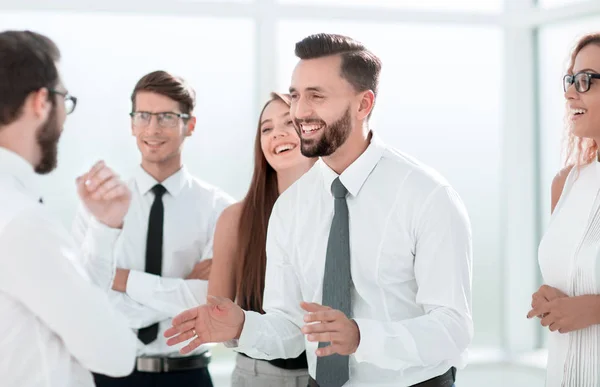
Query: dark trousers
(191, 378)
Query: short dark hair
(169, 85)
(360, 67)
(27, 64)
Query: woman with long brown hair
(569, 254)
(239, 259)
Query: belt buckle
(149, 364)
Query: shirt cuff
(368, 344)
(102, 238)
(140, 285)
(250, 331)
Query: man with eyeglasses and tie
(368, 254)
(55, 321)
(160, 259)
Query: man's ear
(366, 104)
(190, 126)
(39, 103)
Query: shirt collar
(13, 164)
(356, 174)
(174, 183)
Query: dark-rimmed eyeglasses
(164, 119)
(70, 101)
(582, 81)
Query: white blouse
(568, 257)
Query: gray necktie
(332, 371)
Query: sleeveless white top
(569, 261)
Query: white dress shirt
(56, 325)
(411, 258)
(191, 210)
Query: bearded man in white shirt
(159, 261)
(56, 326)
(369, 254)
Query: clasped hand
(564, 314)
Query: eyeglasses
(164, 119)
(70, 101)
(582, 81)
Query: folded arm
(99, 246)
(170, 296)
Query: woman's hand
(567, 314)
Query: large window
(103, 57)
(439, 101)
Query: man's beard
(47, 138)
(334, 136)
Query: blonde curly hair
(579, 151)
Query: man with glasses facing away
(160, 260)
(55, 322)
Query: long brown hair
(252, 233)
(580, 151)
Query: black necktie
(154, 247)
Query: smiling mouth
(575, 114)
(154, 144)
(311, 128)
(283, 148)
